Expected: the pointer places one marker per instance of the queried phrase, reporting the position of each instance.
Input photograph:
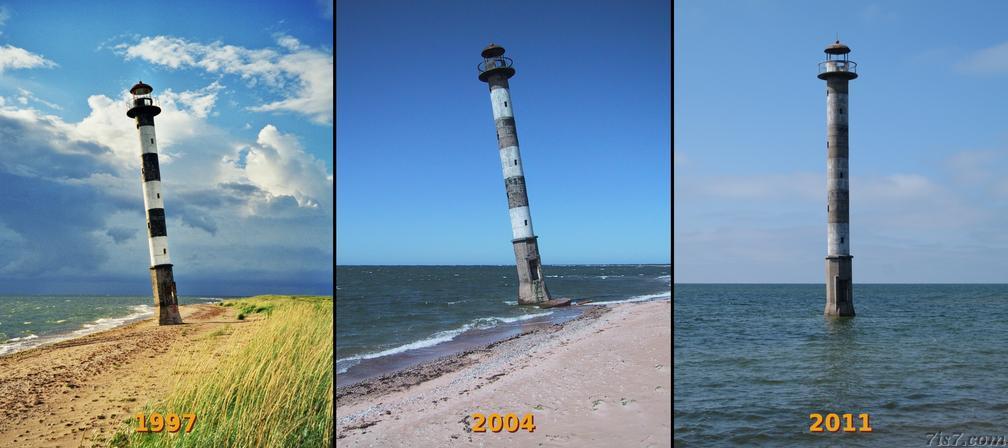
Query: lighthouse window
(152, 140)
(841, 240)
(505, 104)
(159, 194)
(166, 250)
(516, 162)
(841, 174)
(526, 222)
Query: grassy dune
(273, 388)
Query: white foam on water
(643, 298)
(105, 323)
(435, 339)
(510, 302)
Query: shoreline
(602, 377)
(33, 341)
(363, 367)
(88, 329)
(414, 374)
(373, 367)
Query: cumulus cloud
(277, 164)
(12, 57)
(72, 204)
(302, 75)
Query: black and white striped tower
(495, 70)
(837, 71)
(143, 107)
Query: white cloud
(26, 95)
(991, 60)
(278, 165)
(303, 75)
(289, 42)
(12, 57)
(200, 102)
(801, 185)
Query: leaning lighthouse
(495, 70)
(143, 108)
(837, 71)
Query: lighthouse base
(839, 286)
(163, 284)
(531, 282)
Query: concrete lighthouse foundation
(165, 297)
(838, 71)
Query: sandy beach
(76, 392)
(603, 379)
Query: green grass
(276, 390)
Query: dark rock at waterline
(555, 303)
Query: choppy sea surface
(393, 312)
(30, 321)
(753, 361)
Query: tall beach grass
(273, 388)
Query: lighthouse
(495, 70)
(837, 71)
(143, 108)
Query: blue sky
(245, 137)
(418, 178)
(928, 140)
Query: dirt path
(70, 392)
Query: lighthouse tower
(837, 71)
(143, 107)
(495, 70)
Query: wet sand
(77, 392)
(602, 379)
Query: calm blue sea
(29, 321)
(384, 311)
(753, 361)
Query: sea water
(30, 321)
(396, 311)
(753, 361)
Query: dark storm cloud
(121, 234)
(49, 215)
